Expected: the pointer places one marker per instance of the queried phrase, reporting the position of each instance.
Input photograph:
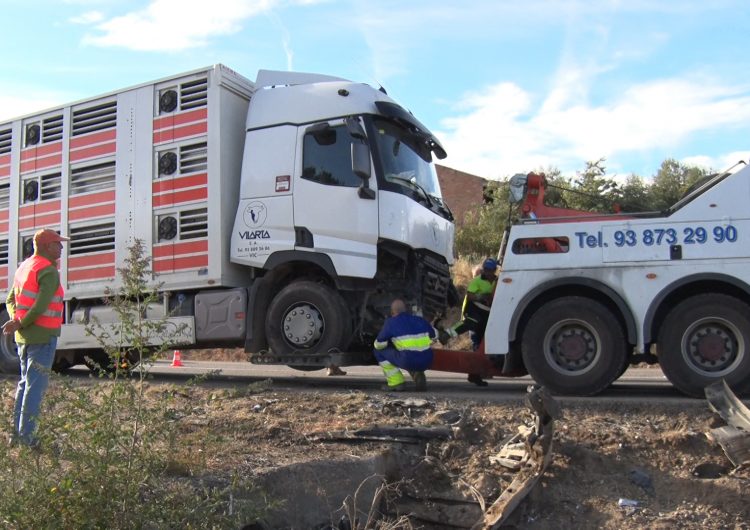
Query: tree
(592, 191)
(672, 181)
(482, 231)
(635, 195)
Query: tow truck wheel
(9, 362)
(305, 317)
(574, 345)
(704, 339)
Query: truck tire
(704, 339)
(305, 317)
(347, 330)
(9, 362)
(574, 345)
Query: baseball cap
(46, 236)
(490, 264)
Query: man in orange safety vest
(35, 304)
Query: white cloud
(720, 162)
(22, 102)
(89, 17)
(501, 130)
(286, 39)
(171, 25)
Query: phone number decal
(691, 235)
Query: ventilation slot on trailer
(3, 251)
(92, 178)
(52, 129)
(193, 158)
(194, 223)
(51, 186)
(97, 118)
(6, 137)
(88, 239)
(194, 94)
(5, 196)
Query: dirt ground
(652, 454)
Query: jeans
(36, 363)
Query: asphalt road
(637, 384)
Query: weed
(110, 457)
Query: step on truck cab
(581, 296)
(282, 215)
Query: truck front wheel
(305, 317)
(574, 345)
(706, 338)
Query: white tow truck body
(581, 298)
(238, 190)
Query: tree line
(591, 189)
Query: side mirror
(361, 160)
(361, 168)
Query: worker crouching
(404, 342)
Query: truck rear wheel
(574, 345)
(306, 317)
(704, 339)
(9, 362)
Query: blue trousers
(36, 363)
(411, 361)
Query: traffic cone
(177, 359)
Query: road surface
(637, 384)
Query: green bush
(109, 455)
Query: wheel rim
(713, 346)
(302, 325)
(572, 347)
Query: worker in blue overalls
(404, 342)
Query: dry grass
(463, 271)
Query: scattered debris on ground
(734, 437)
(431, 494)
(319, 456)
(621, 466)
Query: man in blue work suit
(404, 342)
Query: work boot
(477, 380)
(420, 381)
(335, 370)
(395, 388)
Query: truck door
(330, 217)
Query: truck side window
(327, 158)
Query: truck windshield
(404, 164)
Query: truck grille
(434, 276)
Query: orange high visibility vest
(26, 289)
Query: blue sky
(509, 86)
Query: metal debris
(531, 452)
(628, 503)
(433, 495)
(733, 438)
(385, 433)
